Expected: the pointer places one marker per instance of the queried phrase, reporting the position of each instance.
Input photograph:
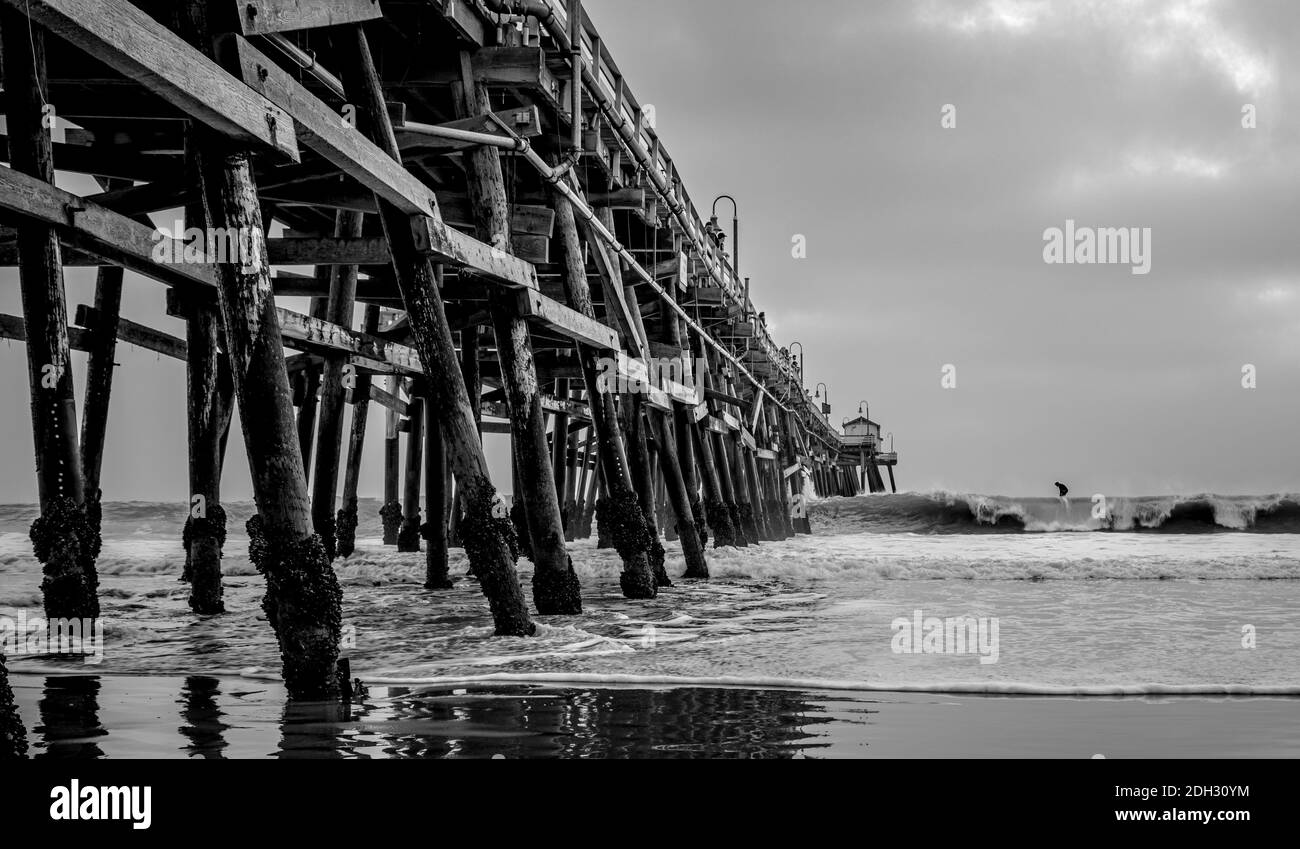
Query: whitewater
(1166, 595)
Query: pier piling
(485, 530)
(329, 427)
(62, 537)
(408, 537)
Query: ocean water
(1172, 595)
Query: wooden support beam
(490, 555)
(565, 321)
(391, 511)
(437, 495)
(107, 161)
(345, 522)
(408, 537)
(327, 250)
(638, 456)
(555, 585)
(637, 579)
(680, 498)
(128, 40)
(321, 129)
(559, 455)
(338, 311)
(259, 17)
(60, 536)
(314, 334)
(722, 462)
(633, 198)
(102, 327)
(616, 304)
(209, 391)
(102, 232)
(303, 598)
(93, 319)
(521, 68)
(388, 400)
(307, 390)
(464, 20)
(578, 515)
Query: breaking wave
(942, 512)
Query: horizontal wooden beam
(307, 333)
(715, 395)
(81, 339)
(323, 130)
(100, 231)
(619, 199)
(370, 290)
(128, 40)
(387, 399)
(296, 250)
(550, 404)
(523, 68)
(107, 161)
(461, 16)
(136, 334)
(259, 17)
(568, 322)
(372, 251)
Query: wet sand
(122, 716)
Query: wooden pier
(477, 182)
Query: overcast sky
(925, 243)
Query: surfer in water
(1063, 490)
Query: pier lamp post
(864, 410)
(735, 240)
(891, 441)
(823, 391)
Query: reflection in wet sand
(69, 723)
(481, 722)
(203, 726)
(612, 723)
(233, 717)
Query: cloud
(1156, 34)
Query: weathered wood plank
(327, 250)
(568, 322)
(106, 161)
(388, 400)
(325, 131)
(523, 68)
(100, 231)
(259, 17)
(443, 244)
(13, 327)
(123, 37)
(316, 333)
(135, 334)
(464, 21)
